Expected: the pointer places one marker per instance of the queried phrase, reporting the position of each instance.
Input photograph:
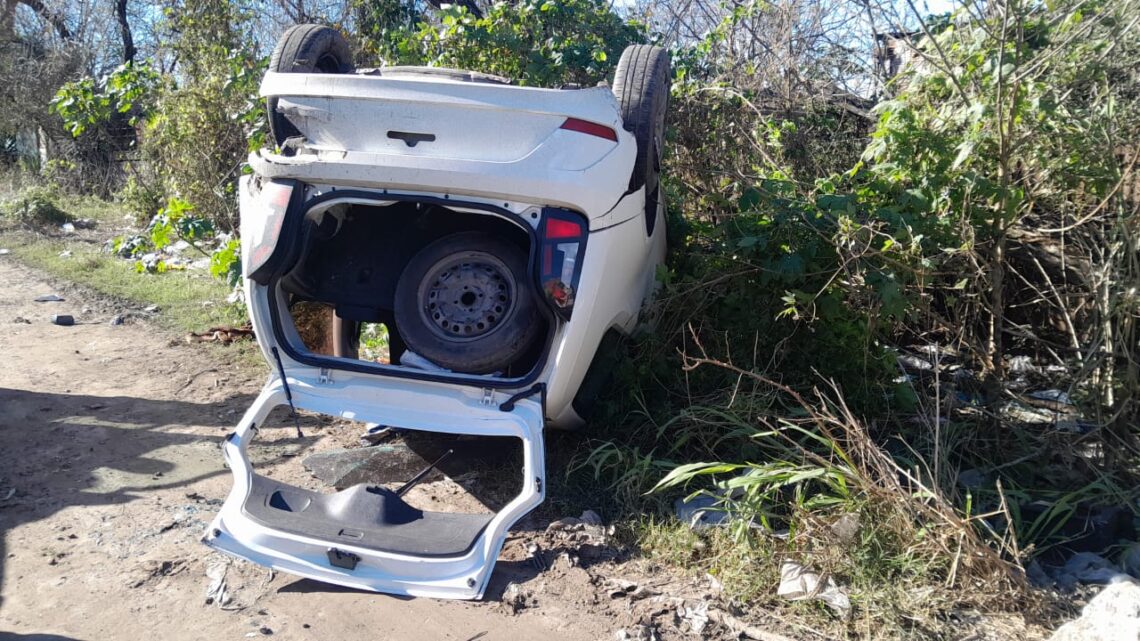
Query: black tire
(305, 48)
(641, 85)
(464, 302)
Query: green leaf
(749, 200)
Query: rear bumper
(413, 405)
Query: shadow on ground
(64, 450)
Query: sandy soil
(110, 469)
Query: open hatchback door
(366, 536)
(496, 235)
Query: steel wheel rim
(465, 297)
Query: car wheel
(464, 303)
(641, 85)
(305, 48)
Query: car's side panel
(618, 272)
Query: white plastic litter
(216, 592)
(412, 359)
(798, 583)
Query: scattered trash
(67, 228)
(621, 587)
(64, 320)
(1081, 568)
(797, 583)
(740, 629)
(117, 320)
(515, 597)
(65, 253)
(536, 557)
(223, 334)
(376, 434)
(414, 360)
(216, 591)
(5, 251)
(637, 633)
(914, 363)
(701, 511)
(846, 528)
(714, 584)
(49, 298)
(697, 617)
(1054, 395)
(150, 309)
(1112, 615)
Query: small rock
(67, 228)
(590, 517)
(846, 528)
(150, 309)
(564, 524)
(117, 320)
(266, 630)
(21, 320)
(85, 223)
(1112, 615)
(65, 253)
(5, 251)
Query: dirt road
(110, 468)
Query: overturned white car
(498, 232)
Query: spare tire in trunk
(464, 303)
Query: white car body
(496, 150)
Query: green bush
(545, 43)
(35, 206)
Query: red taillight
(263, 227)
(591, 128)
(556, 228)
(563, 235)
